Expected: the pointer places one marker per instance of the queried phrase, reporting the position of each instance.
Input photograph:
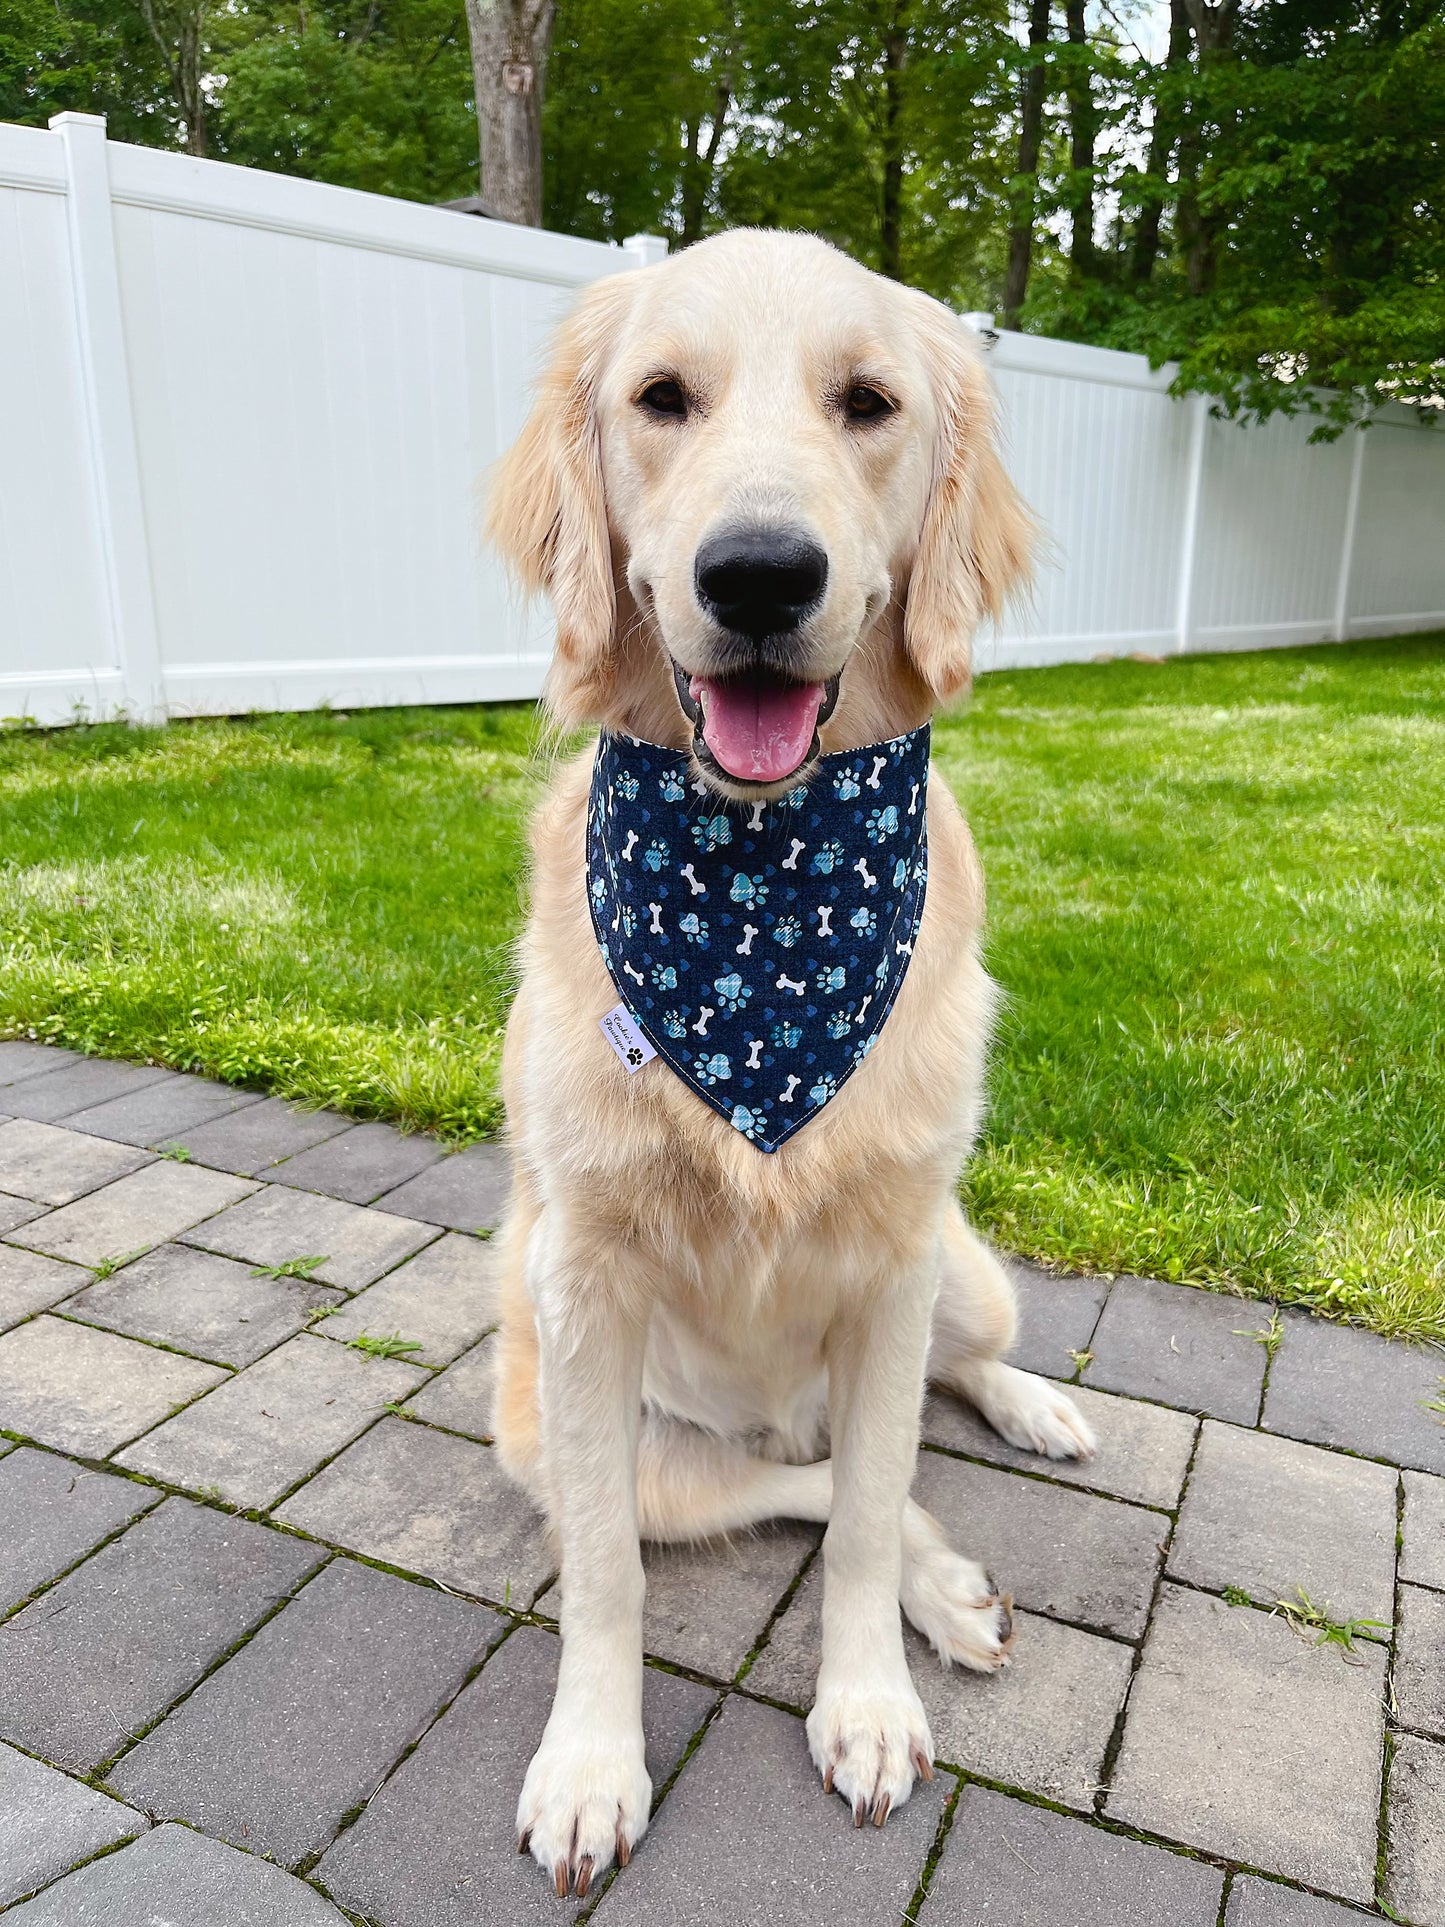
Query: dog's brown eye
(864, 403)
(663, 398)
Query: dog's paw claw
(868, 1746)
(582, 1805)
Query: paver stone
(55, 1166)
(134, 1213)
(432, 1504)
(1143, 1450)
(1064, 1553)
(175, 1878)
(252, 1140)
(49, 1822)
(444, 1298)
(460, 1397)
(89, 1391)
(747, 1834)
(201, 1303)
(52, 1512)
(1007, 1862)
(1422, 1557)
(1057, 1316)
(1275, 1517)
(276, 1747)
(1181, 1346)
(278, 1225)
(1044, 1723)
(466, 1191)
(1248, 1741)
(359, 1165)
(707, 1604)
(437, 1846)
(163, 1113)
(31, 1282)
(1337, 1386)
(1415, 1861)
(271, 1425)
(90, 1662)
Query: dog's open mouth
(758, 727)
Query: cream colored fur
(686, 1322)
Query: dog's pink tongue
(760, 732)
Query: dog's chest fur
(746, 1257)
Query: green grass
(1215, 905)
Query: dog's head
(761, 488)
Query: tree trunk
(1083, 132)
(510, 43)
(1031, 122)
(890, 205)
(1213, 26)
(698, 170)
(180, 33)
(1162, 136)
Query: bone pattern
(759, 946)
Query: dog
(761, 487)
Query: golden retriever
(687, 1323)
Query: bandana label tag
(619, 1027)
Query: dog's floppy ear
(546, 511)
(977, 535)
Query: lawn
(1215, 904)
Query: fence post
(1189, 548)
(1347, 544)
(646, 249)
(105, 373)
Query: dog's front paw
(870, 1742)
(584, 1801)
(1036, 1415)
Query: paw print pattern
(732, 992)
(743, 937)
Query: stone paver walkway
(277, 1639)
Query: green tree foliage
(1306, 215)
(374, 94)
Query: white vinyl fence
(243, 419)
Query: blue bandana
(759, 946)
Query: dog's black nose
(760, 582)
